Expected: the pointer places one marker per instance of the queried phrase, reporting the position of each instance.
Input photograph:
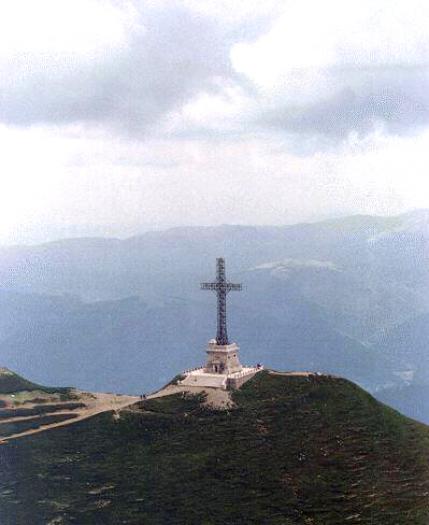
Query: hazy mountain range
(348, 296)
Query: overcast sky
(117, 116)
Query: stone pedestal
(222, 359)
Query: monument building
(223, 368)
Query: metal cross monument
(221, 287)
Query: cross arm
(221, 286)
(209, 286)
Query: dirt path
(96, 403)
(101, 402)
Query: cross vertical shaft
(221, 287)
(221, 333)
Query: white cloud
(139, 62)
(57, 27)
(157, 112)
(334, 67)
(306, 68)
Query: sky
(120, 116)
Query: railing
(189, 370)
(243, 373)
(250, 369)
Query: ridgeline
(11, 383)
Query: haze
(117, 117)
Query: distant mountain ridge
(128, 314)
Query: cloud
(159, 58)
(395, 101)
(314, 71)
(334, 68)
(172, 112)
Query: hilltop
(11, 383)
(27, 408)
(313, 450)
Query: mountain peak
(294, 449)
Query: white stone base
(222, 359)
(201, 378)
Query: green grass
(317, 451)
(178, 404)
(11, 383)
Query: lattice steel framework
(221, 287)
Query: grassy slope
(294, 452)
(11, 383)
